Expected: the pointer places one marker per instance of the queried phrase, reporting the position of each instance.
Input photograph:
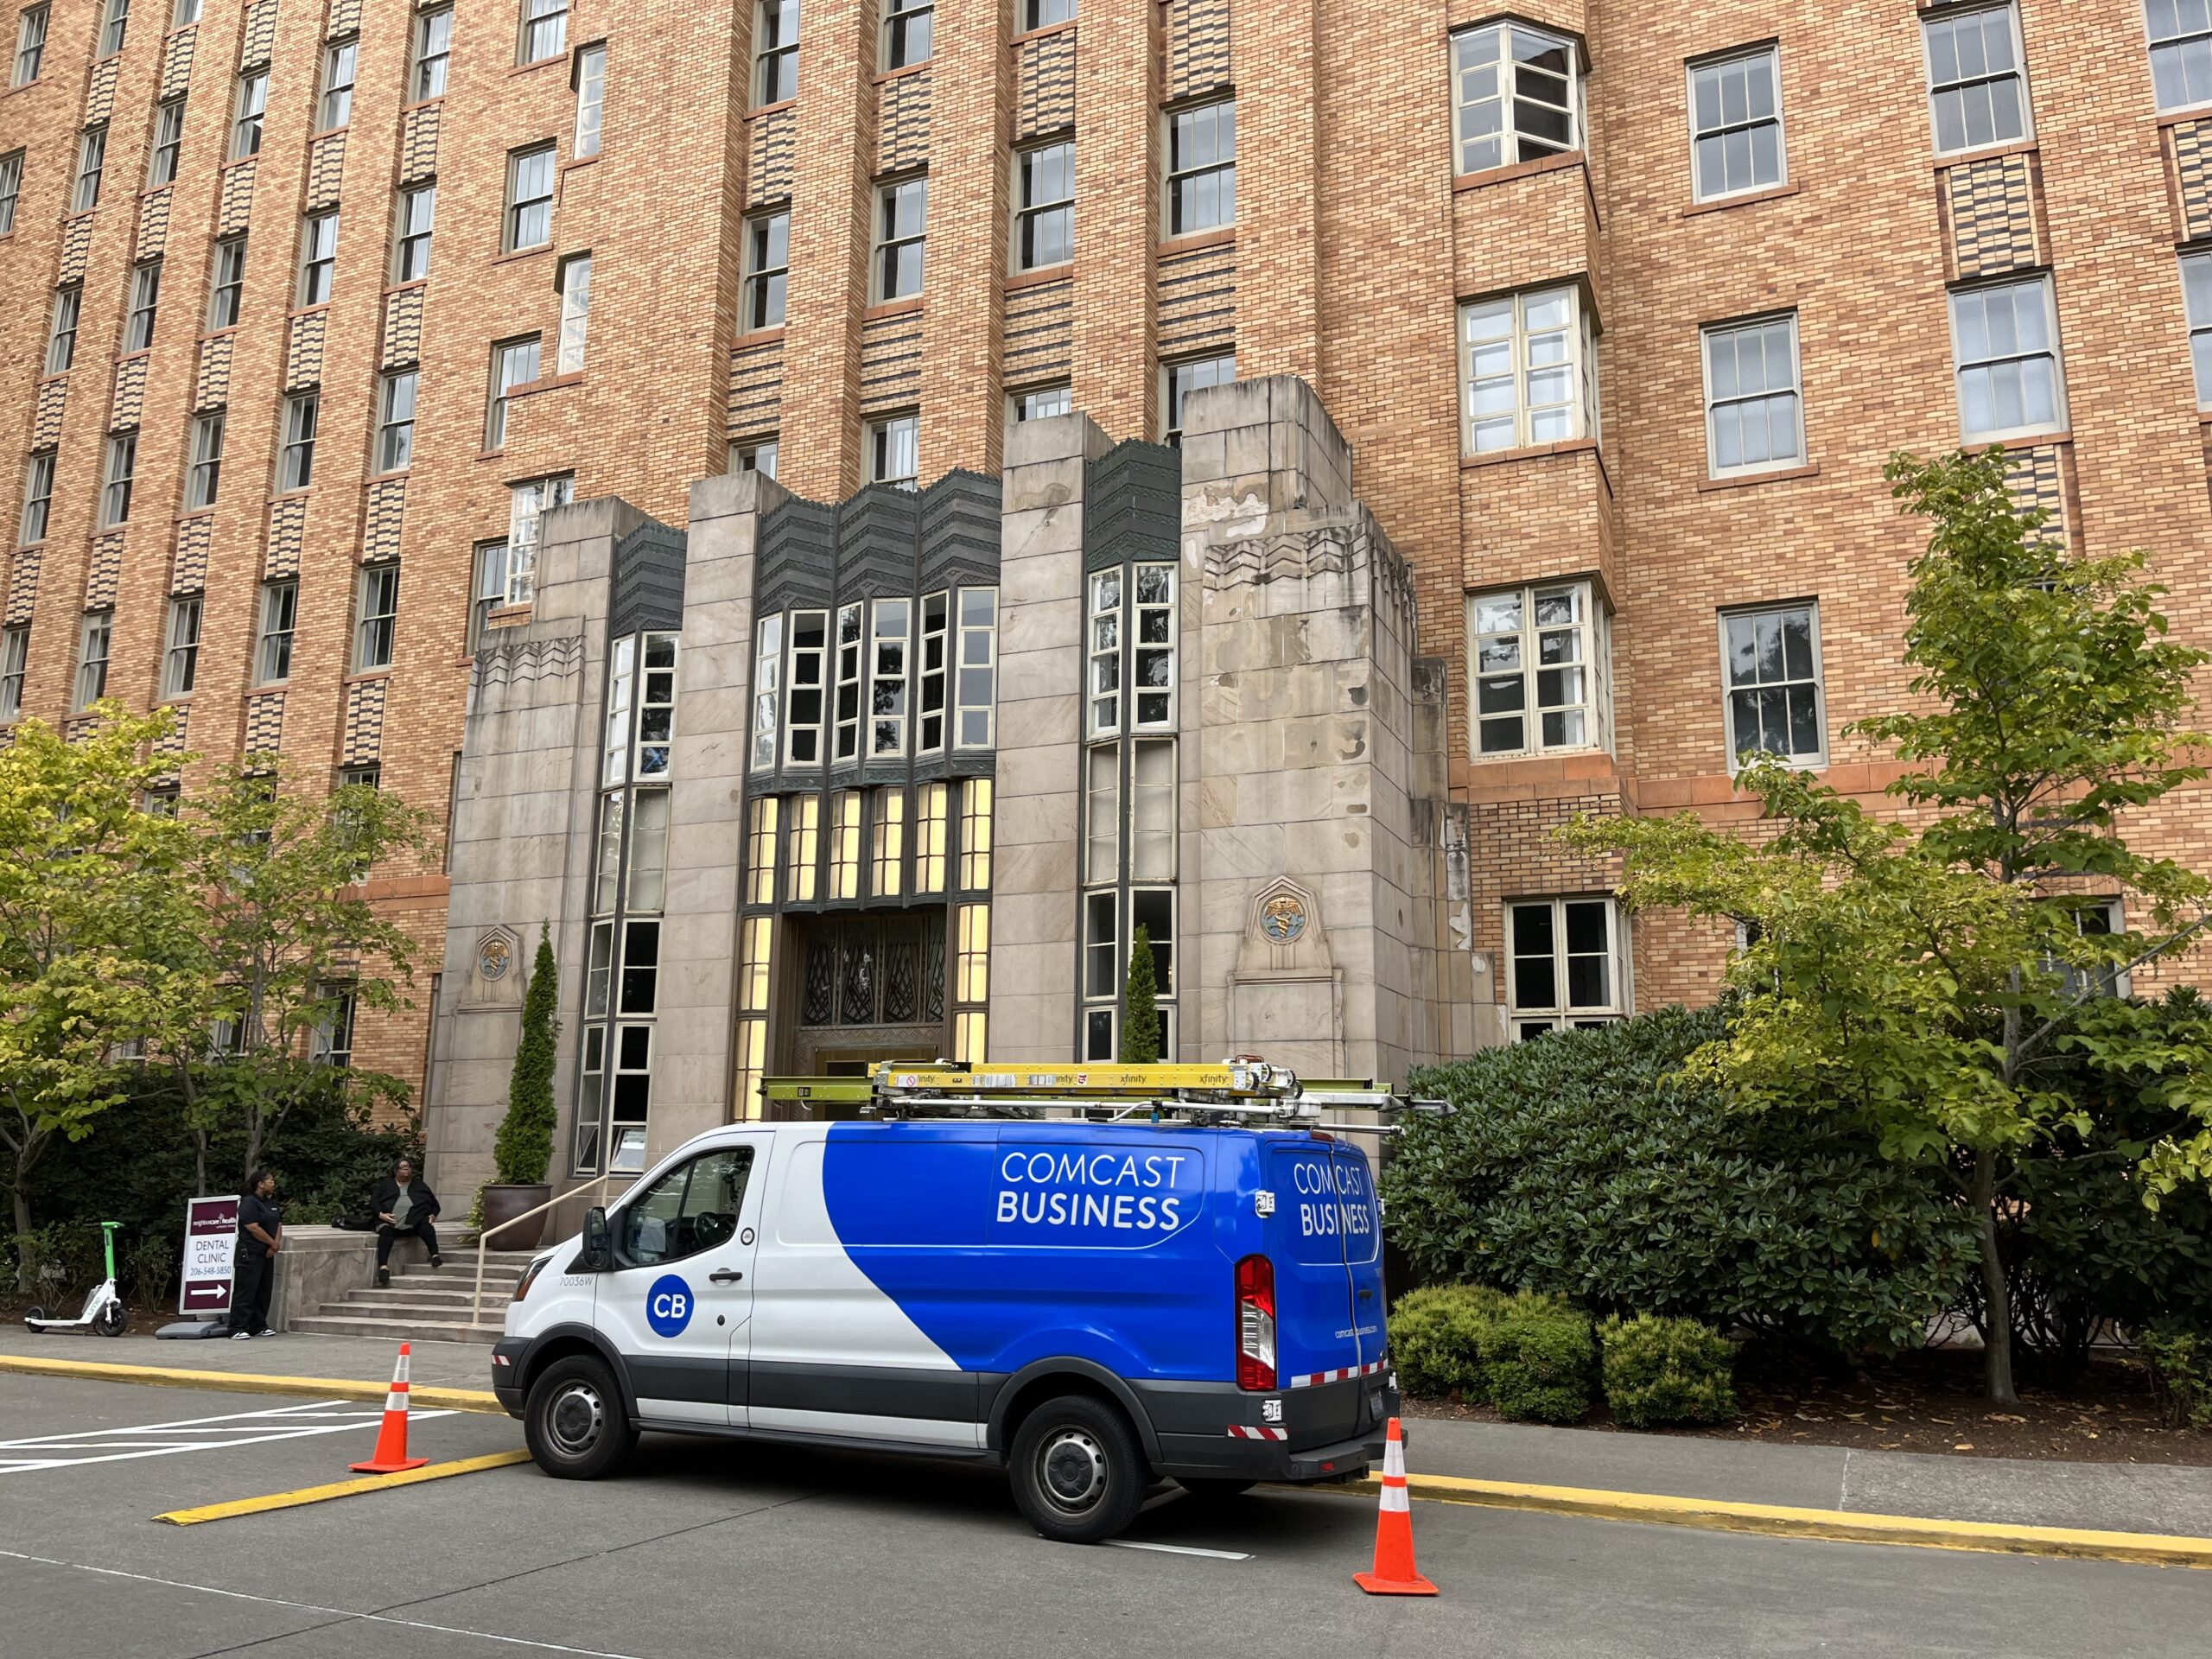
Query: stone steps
(342, 1324)
(426, 1304)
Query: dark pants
(252, 1274)
(387, 1235)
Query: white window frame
(1961, 368)
(573, 281)
(487, 591)
(2172, 59)
(543, 36)
(1105, 642)
(1562, 1014)
(274, 637)
(318, 258)
(14, 663)
(766, 286)
(302, 424)
(1046, 14)
(1930, 24)
(1039, 403)
(11, 188)
(2195, 267)
(1729, 688)
(898, 51)
(91, 168)
(120, 478)
(1506, 95)
(1529, 360)
(893, 439)
(510, 355)
(340, 59)
(589, 77)
(33, 25)
(38, 497)
(756, 455)
(1029, 211)
(2110, 982)
(227, 298)
(62, 328)
(1102, 813)
(432, 53)
(1163, 981)
(1590, 632)
(181, 651)
(1713, 333)
(767, 689)
(167, 145)
(249, 110)
(1771, 54)
(145, 305)
(889, 677)
(850, 643)
(115, 26)
(528, 502)
(395, 397)
(520, 210)
(376, 625)
(933, 636)
(775, 59)
(894, 238)
(975, 720)
(204, 477)
(1153, 848)
(95, 650)
(806, 670)
(1185, 174)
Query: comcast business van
(1191, 1288)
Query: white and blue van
(1089, 1304)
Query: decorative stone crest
(1282, 917)
(495, 955)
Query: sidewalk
(361, 1359)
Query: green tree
(523, 1149)
(1917, 971)
(99, 934)
(1141, 1005)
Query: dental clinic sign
(211, 1233)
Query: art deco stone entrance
(870, 988)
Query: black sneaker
(383, 1277)
(437, 1261)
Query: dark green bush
(1436, 1336)
(1583, 1164)
(1659, 1369)
(2181, 1374)
(1537, 1358)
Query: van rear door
(1360, 1216)
(1317, 1336)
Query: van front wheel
(1078, 1474)
(574, 1421)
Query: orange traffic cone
(392, 1436)
(1394, 1574)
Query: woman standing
(254, 1258)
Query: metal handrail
(476, 1296)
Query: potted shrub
(524, 1151)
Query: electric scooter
(104, 1314)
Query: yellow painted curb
(319, 1387)
(1777, 1521)
(339, 1489)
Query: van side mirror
(598, 1243)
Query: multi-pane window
(888, 669)
(975, 832)
(591, 75)
(116, 28)
(806, 673)
(902, 213)
(38, 497)
(2181, 52)
(377, 617)
(891, 445)
(251, 106)
(2196, 295)
(775, 52)
(61, 330)
(1772, 660)
(767, 689)
(762, 815)
(145, 306)
(1101, 943)
(1152, 910)
(2104, 973)
(92, 163)
(929, 732)
(804, 849)
(168, 141)
(433, 51)
(1040, 403)
(181, 660)
(1043, 219)
(1735, 124)
(544, 30)
(203, 478)
(318, 257)
(930, 830)
(977, 681)
(1202, 168)
(296, 465)
(30, 43)
(1977, 82)
(488, 591)
(576, 314)
(1152, 647)
(226, 285)
(1753, 415)
(93, 642)
(121, 476)
(1517, 94)
(1537, 661)
(767, 254)
(1044, 14)
(1563, 969)
(184, 13)
(846, 729)
(753, 455)
(332, 1042)
(14, 663)
(888, 844)
(1102, 814)
(2006, 339)
(527, 505)
(418, 215)
(11, 188)
(971, 983)
(1528, 371)
(514, 363)
(530, 198)
(1103, 687)
(280, 615)
(396, 422)
(907, 28)
(1179, 380)
(337, 106)
(845, 844)
(1152, 810)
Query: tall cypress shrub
(524, 1150)
(1141, 1005)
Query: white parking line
(120, 1444)
(1181, 1549)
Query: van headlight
(530, 1277)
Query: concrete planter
(503, 1203)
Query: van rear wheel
(575, 1423)
(1078, 1474)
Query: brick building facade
(1619, 305)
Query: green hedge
(1530, 1355)
(2181, 1375)
(1667, 1370)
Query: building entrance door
(871, 988)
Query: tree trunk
(199, 1163)
(22, 1225)
(1996, 1314)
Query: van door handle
(726, 1276)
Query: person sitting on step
(405, 1205)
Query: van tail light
(1255, 1324)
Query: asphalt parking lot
(704, 1548)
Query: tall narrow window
(396, 422)
(767, 689)
(377, 617)
(978, 681)
(1536, 656)
(930, 830)
(544, 30)
(318, 257)
(1563, 971)
(168, 141)
(226, 285)
(61, 330)
(1518, 95)
(1105, 689)
(1153, 909)
(762, 815)
(2006, 343)
(646, 881)
(528, 504)
(418, 213)
(767, 254)
(204, 482)
(302, 416)
(251, 106)
(755, 935)
(907, 28)
(38, 497)
(887, 671)
(845, 844)
(488, 592)
(929, 732)
(181, 662)
(1101, 941)
(2181, 52)
(890, 450)
(1102, 812)
(92, 163)
(1735, 124)
(11, 188)
(753, 455)
(1202, 168)
(145, 306)
(775, 52)
(1152, 810)
(116, 28)
(92, 646)
(576, 314)
(971, 982)
(280, 612)
(1528, 371)
(433, 49)
(337, 107)
(1180, 379)
(30, 43)
(846, 741)
(656, 707)
(514, 363)
(591, 99)
(901, 235)
(809, 657)
(1752, 420)
(1977, 86)
(122, 474)
(2197, 297)
(1773, 663)
(14, 663)
(1151, 651)
(185, 13)
(804, 858)
(1044, 14)
(530, 198)
(1044, 222)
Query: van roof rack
(1245, 1089)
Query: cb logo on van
(668, 1306)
